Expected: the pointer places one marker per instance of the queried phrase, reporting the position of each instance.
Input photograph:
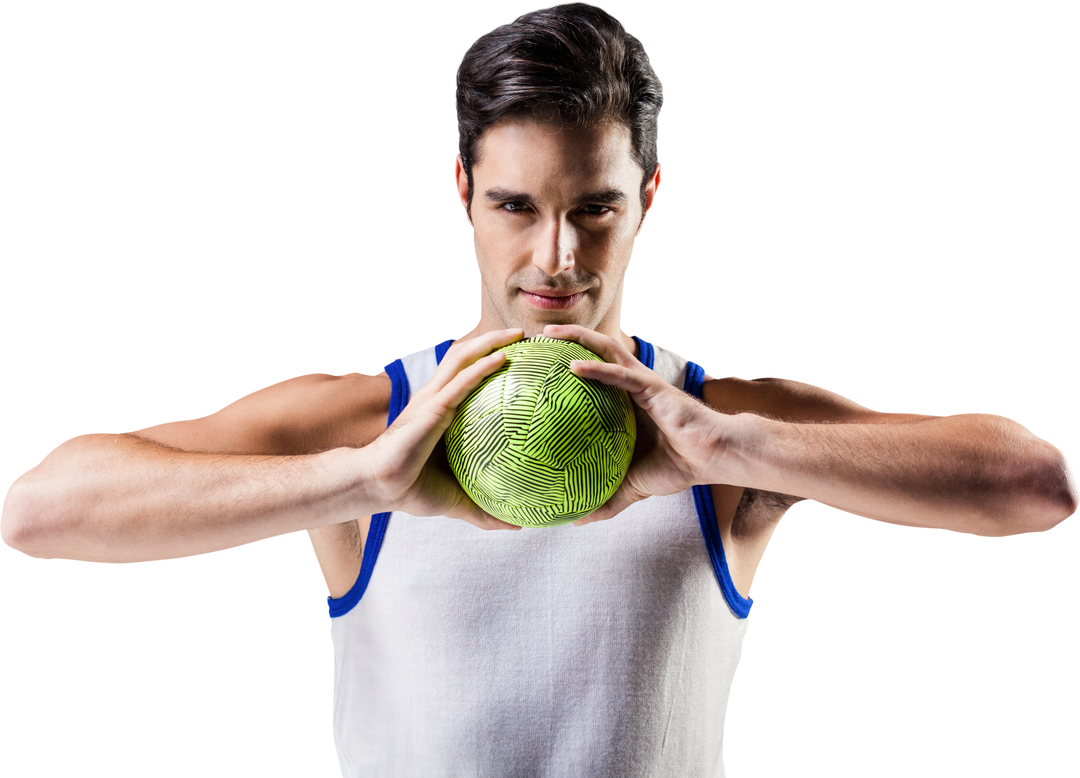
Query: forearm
(974, 473)
(118, 498)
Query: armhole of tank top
(399, 399)
(706, 511)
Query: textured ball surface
(536, 445)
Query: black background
(215, 203)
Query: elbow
(1052, 497)
(16, 520)
(52, 510)
(35, 520)
(1062, 492)
(1033, 499)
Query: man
(556, 199)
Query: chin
(535, 327)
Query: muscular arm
(971, 473)
(207, 484)
(121, 498)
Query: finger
(486, 521)
(458, 388)
(604, 346)
(469, 511)
(633, 381)
(499, 524)
(603, 513)
(435, 413)
(464, 352)
(468, 354)
(479, 518)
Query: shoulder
(301, 415)
(786, 400)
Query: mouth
(553, 299)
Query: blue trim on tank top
(703, 502)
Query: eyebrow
(603, 197)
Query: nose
(557, 242)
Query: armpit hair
(769, 500)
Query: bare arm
(973, 473)
(121, 498)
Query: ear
(650, 193)
(462, 186)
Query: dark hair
(571, 64)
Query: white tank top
(604, 650)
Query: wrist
(354, 474)
(738, 442)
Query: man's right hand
(408, 466)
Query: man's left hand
(678, 437)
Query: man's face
(555, 213)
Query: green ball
(536, 445)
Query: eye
(512, 208)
